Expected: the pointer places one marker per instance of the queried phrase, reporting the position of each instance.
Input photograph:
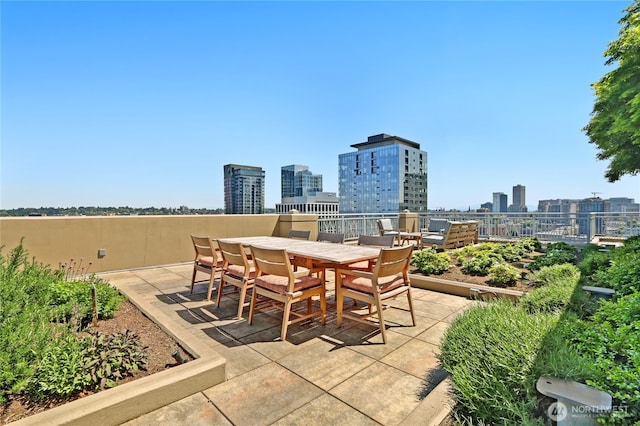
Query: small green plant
(431, 262)
(67, 295)
(503, 274)
(108, 357)
(558, 289)
(555, 254)
(73, 363)
(556, 274)
(479, 265)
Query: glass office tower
(298, 181)
(243, 189)
(386, 174)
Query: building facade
(519, 199)
(386, 174)
(298, 181)
(301, 190)
(244, 189)
(499, 202)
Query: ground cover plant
(45, 351)
(492, 260)
(496, 351)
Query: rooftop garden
(497, 350)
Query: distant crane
(595, 194)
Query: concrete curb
(461, 289)
(435, 409)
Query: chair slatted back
(393, 261)
(331, 237)
(273, 262)
(233, 254)
(299, 235)
(202, 246)
(376, 240)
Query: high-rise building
(243, 189)
(591, 205)
(623, 204)
(302, 191)
(298, 181)
(385, 174)
(519, 202)
(499, 202)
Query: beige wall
(135, 241)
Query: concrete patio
(322, 375)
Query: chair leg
(243, 295)
(339, 302)
(381, 319)
(413, 316)
(193, 278)
(210, 289)
(220, 288)
(323, 306)
(254, 297)
(285, 320)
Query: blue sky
(142, 103)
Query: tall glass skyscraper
(243, 189)
(385, 174)
(298, 181)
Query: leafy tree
(615, 121)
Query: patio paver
(321, 375)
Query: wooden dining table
(331, 253)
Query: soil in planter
(160, 347)
(456, 274)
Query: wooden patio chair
(374, 241)
(330, 237)
(385, 227)
(237, 270)
(276, 280)
(389, 279)
(297, 234)
(207, 260)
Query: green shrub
(431, 262)
(74, 298)
(25, 327)
(45, 357)
(510, 252)
(60, 369)
(591, 260)
(503, 274)
(490, 350)
(466, 252)
(479, 265)
(95, 362)
(623, 275)
(556, 274)
(530, 244)
(555, 254)
(614, 340)
(560, 283)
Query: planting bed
(159, 349)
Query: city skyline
(119, 103)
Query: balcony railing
(574, 228)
